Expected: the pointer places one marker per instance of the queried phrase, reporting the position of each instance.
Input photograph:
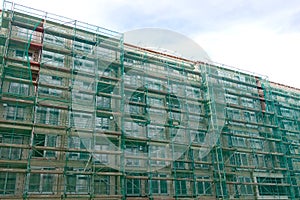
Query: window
(83, 65)
(101, 157)
(288, 125)
(194, 108)
(231, 99)
(134, 129)
(179, 165)
(47, 56)
(285, 112)
(23, 33)
(104, 102)
(129, 61)
(82, 98)
(22, 54)
(159, 186)
(47, 141)
(180, 187)
(58, 60)
(198, 136)
(203, 185)
(131, 128)
(175, 88)
(280, 147)
(193, 77)
(74, 142)
(102, 123)
(196, 121)
(82, 184)
(53, 116)
(79, 143)
(243, 87)
(259, 161)
(71, 184)
(256, 144)
(135, 110)
(155, 101)
(136, 97)
(48, 116)
(152, 111)
(78, 184)
(233, 113)
(245, 133)
(131, 79)
(239, 159)
(250, 116)
(133, 187)
(47, 182)
(177, 134)
(175, 116)
(85, 144)
(15, 112)
(50, 91)
(83, 85)
(50, 142)
(81, 120)
(156, 132)
(52, 80)
(19, 88)
(236, 77)
(243, 160)
(153, 84)
(101, 185)
(78, 64)
(7, 183)
(227, 84)
(296, 164)
(41, 115)
(157, 152)
(291, 134)
(133, 151)
(155, 67)
(9, 152)
(273, 189)
(82, 47)
(41, 183)
(294, 150)
(54, 40)
(127, 79)
(192, 92)
(238, 141)
(52, 58)
(199, 157)
(247, 102)
(244, 188)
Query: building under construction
(85, 116)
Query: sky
(261, 36)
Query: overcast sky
(261, 36)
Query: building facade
(85, 116)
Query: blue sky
(261, 36)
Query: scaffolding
(85, 116)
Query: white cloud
(255, 49)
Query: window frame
(205, 185)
